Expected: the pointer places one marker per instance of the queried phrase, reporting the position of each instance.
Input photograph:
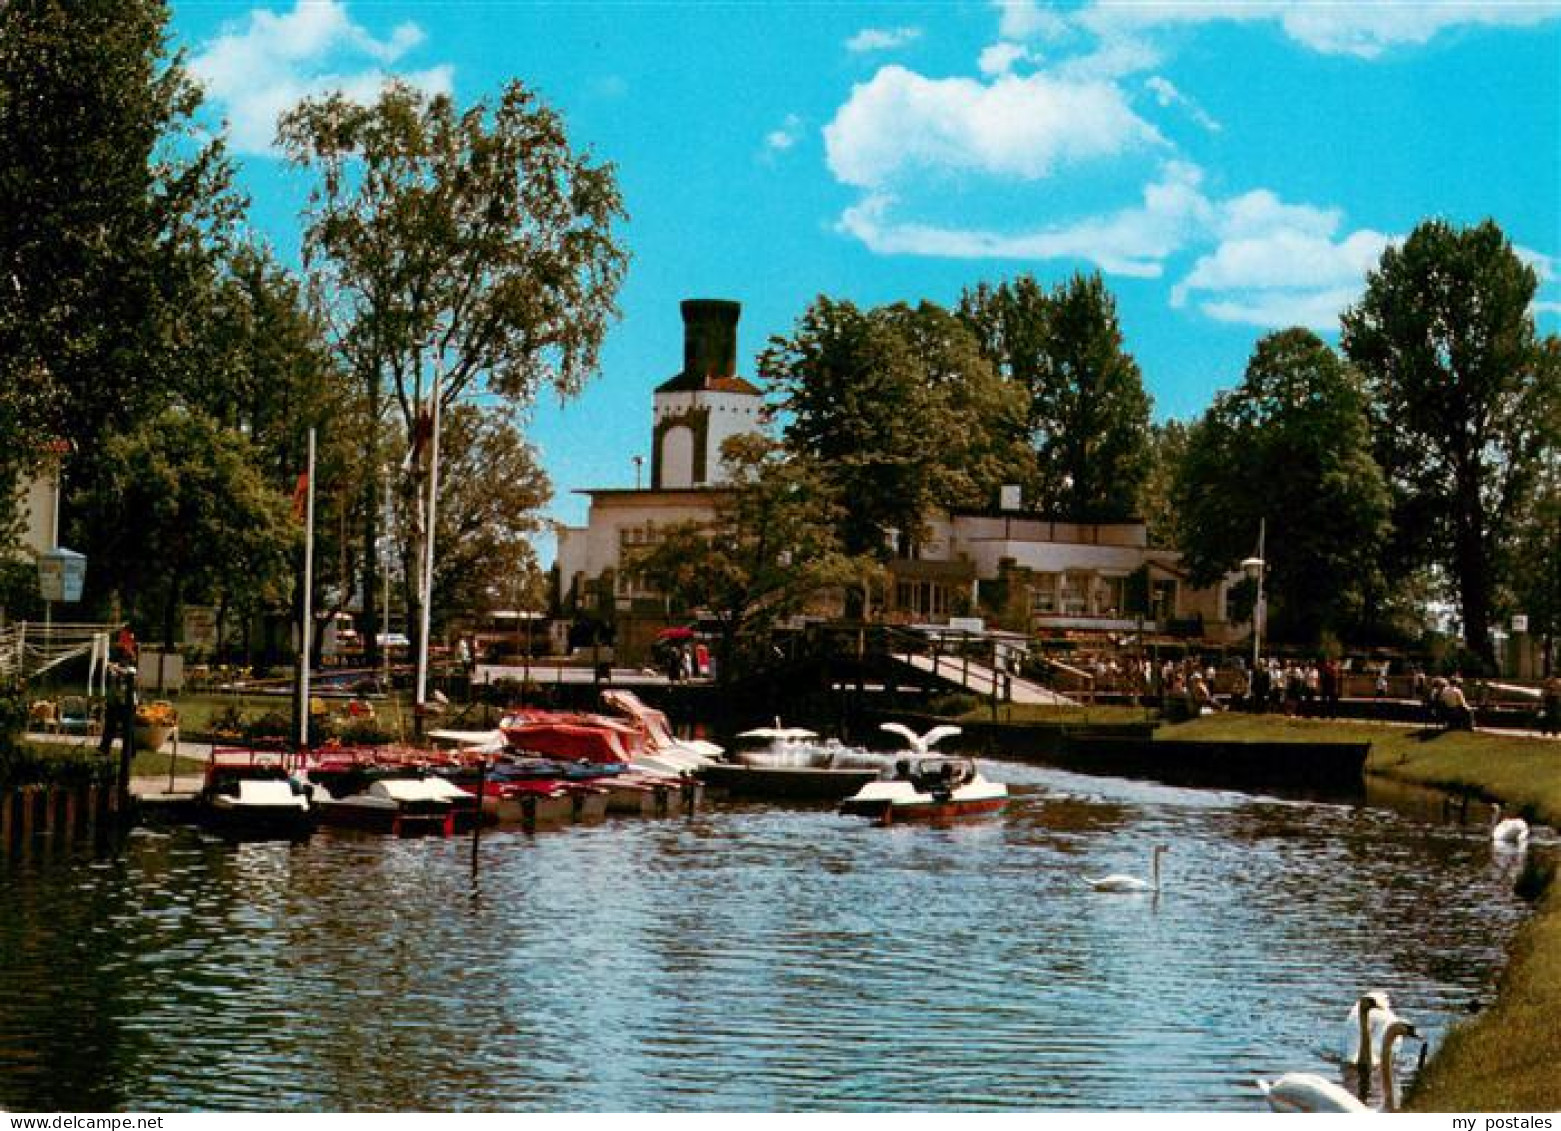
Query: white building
(693, 414)
(1026, 573)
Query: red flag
(300, 496)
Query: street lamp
(1255, 567)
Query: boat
(254, 796)
(663, 750)
(393, 799)
(808, 784)
(928, 789)
(782, 747)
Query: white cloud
(785, 137)
(882, 39)
(1169, 97)
(1278, 264)
(1001, 57)
(261, 66)
(900, 123)
(1363, 28)
(1134, 241)
(1029, 20)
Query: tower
(697, 410)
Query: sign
(200, 626)
(61, 574)
(1519, 622)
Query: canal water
(747, 958)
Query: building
(1035, 575)
(693, 414)
(1051, 578)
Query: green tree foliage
(270, 374)
(770, 548)
(112, 203)
(1466, 404)
(1088, 417)
(899, 412)
(490, 504)
(193, 517)
(1156, 500)
(1290, 447)
(474, 245)
(1536, 587)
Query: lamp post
(1254, 568)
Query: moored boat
(928, 789)
(254, 797)
(400, 801)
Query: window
(1043, 593)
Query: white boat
(256, 799)
(780, 747)
(928, 789)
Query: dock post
(7, 820)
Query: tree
(1536, 588)
(1466, 404)
(1156, 502)
(770, 547)
(898, 411)
(465, 250)
(113, 210)
(1289, 448)
(1088, 414)
(489, 511)
(194, 518)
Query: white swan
(1512, 830)
(1361, 1039)
(1309, 1092)
(920, 743)
(1119, 882)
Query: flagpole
(428, 556)
(306, 634)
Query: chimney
(710, 338)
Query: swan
(1361, 1040)
(1120, 882)
(921, 743)
(1311, 1093)
(1512, 830)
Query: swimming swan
(921, 743)
(1124, 883)
(1362, 1039)
(1512, 830)
(1309, 1092)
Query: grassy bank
(1509, 1057)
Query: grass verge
(1509, 1057)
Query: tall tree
(113, 205)
(1466, 403)
(769, 549)
(1088, 412)
(898, 410)
(200, 520)
(1156, 500)
(489, 513)
(473, 248)
(1289, 448)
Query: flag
(422, 435)
(300, 496)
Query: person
(1456, 712)
(1550, 706)
(127, 645)
(120, 708)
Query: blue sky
(1231, 167)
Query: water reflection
(747, 959)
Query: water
(747, 958)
